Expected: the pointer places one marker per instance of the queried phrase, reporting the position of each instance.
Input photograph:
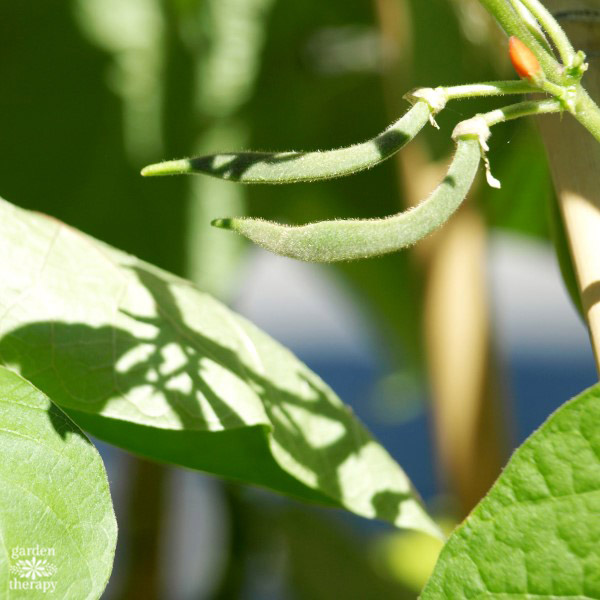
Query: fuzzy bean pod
(291, 167)
(344, 240)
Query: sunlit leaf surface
(537, 533)
(144, 360)
(57, 525)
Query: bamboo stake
(575, 163)
(469, 423)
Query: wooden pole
(574, 157)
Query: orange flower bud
(523, 59)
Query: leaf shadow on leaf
(81, 368)
(388, 503)
(63, 426)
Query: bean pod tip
(169, 167)
(222, 223)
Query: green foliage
(144, 360)
(332, 241)
(521, 205)
(57, 523)
(326, 562)
(536, 532)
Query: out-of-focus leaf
(536, 533)
(149, 363)
(327, 562)
(57, 523)
(59, 108)
(228, 67)
(409, 557)
(519, 161)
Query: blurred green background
(93, 90)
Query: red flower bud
(523, 59)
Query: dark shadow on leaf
(387, 505)
(63, 425)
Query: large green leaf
(57, 525)
(144, 360)
(537, 533)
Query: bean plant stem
(490, 88)
(522, 109)
(552, 28)
(478, 126)
(513, 24)
(587, 112)
(532, 24)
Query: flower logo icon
(33, 568)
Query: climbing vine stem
(553, 29)
(532, 24)
(522, 109)
(513, 24)
(493, 88)
(587, 112)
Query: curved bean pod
(343, 240)
(291, 167)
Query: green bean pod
(344, 240)
(291, 167)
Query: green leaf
(291, 167)
(56, 515)
(333, 241)
(144, 360)
(520, 205)
(353, 572)
(537, 532)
